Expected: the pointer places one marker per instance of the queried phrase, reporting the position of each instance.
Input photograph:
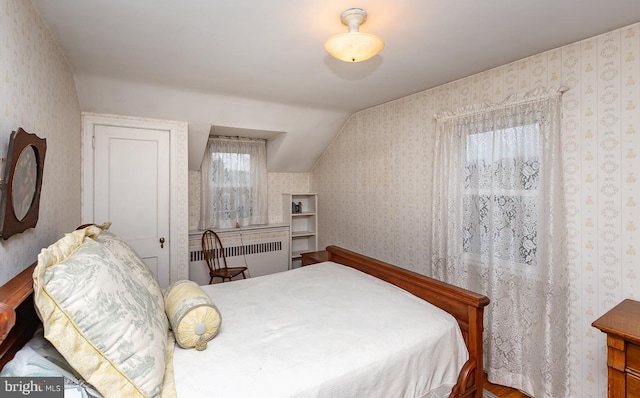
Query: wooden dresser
(622, 326)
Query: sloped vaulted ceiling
(260, 65)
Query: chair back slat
(213, 251)
(214, 256)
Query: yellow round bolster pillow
(193, 317)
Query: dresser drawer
(633, 386)
(633, 358)
(622, 326)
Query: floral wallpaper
(279, 183)
(38, 93)
(376, 188)
(194, 199)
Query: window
(234, 183)
(500, 194)
(499, 227)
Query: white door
(132, 190)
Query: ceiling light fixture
(354, 46)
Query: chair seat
(228, 273)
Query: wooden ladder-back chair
(216, 259)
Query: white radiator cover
(265, 250)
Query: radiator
(264, 250)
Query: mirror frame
(9, 223)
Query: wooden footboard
(18, 319)
(466, 306)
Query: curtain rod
(234, 138)
(535, 95)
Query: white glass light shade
(354, 46)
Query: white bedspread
(324, 330)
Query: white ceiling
(260, 65)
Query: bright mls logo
(35, 387)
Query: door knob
(162, 242)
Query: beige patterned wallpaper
(375, 178)
(38, 93)
(279, 183)
(194, 199)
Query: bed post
(471, 377)
(475, 345)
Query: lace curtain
(499, 229)
(234, 183)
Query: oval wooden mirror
(22, 182)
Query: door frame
(89, 121)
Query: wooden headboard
(18, 319)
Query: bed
(349, 370)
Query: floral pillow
(124, 253)
(101, 317)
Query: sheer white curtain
(234, 183)
(499, 229)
